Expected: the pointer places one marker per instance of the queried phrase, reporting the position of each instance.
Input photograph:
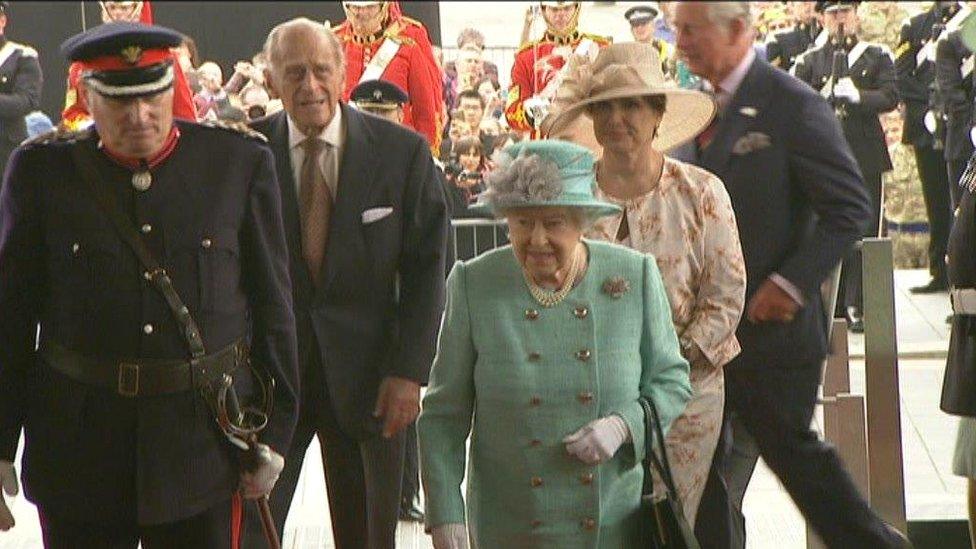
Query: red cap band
(130, 58)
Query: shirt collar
(331, 134)
(732, 82)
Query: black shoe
(934, 286)
(412, 513)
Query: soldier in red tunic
(536, 72)
(75, 115)
(382, 44)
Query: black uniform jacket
(212, 217)
(954, 74)
(873, 73)
(378, 309)
(914, 77)
(784, 47)
(20, 93)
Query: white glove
(450, 536)
(846, 89)
(260, 480)
(8, 479)
(598, 440)
(972, 135)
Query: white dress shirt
(332, 134)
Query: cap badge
(377, 95)
(131, 54)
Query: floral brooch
(616, 286)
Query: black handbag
(959, 384)
(663, 523)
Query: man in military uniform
(904, 211)
(381, 43)
(20, 89)
(783, 48)
(75, 115)
(954, 84)
(641, 20)
(915, 65)
(866, 89)
(536, 71)
(151, 255)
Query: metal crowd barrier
(473, 237)
(866, 430)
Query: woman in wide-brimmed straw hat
(545, 348)
(679, 213)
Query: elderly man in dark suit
(800, 205)
(367, 226)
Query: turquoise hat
(547, 172)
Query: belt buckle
(128, 379)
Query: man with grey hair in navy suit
(800, 206)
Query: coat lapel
(356, 173)
(750, 98)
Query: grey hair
(723, 13)
(526, 178)
(273, 41)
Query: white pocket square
(373, 215)
(750, 142)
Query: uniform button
(147, 329)
(586, 478)
(206, 243)
(535, 401)
(534, 356)
(536, 482)
(583, 355)
(75, 248)
(581, 312)
(535, 443)
(585, 397)
(531, 314)
(536, 523)
(947, 258)
(147, 275)
(956, 213)
(146, 228)
(588, 524)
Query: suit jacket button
(536, 482)
(206, 243)
(583, 355)
(148, 329)
(586, 479)
(581, 312)
(588, 524)
(534, 356)
(535, 401)
(585, 397)
(531, 314)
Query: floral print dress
(686, 222)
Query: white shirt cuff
(788, 287)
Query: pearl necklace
(551, 298)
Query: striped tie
(316, 207)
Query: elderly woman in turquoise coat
(545, 350)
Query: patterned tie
(316, 207)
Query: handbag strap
(158, 276)
(653, 431)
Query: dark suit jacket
(379, 307)
(212, 219)
(800, 203)
(956, 94)
(873, 73)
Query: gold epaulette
(237, 127)
(60, 134)
(394, 31)
(599, 39)
(527, 45)
(411, 21)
